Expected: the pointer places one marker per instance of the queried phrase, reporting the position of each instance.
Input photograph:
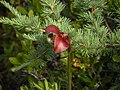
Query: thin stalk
(69, 69)
(41, 54)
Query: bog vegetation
(81, 51)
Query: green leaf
(56, 86)
(116, 58)
(85, 78)
(22, 57)
(26, 44)
(46, 85)
(31, 13)
(37, 86)
(41, 84)
(39, 7)
(14, 61)
(20, 67)
(24, 88)
(22, 10)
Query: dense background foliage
(95, 26)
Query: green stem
(69, 69)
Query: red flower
(60, 41)
(52, 29)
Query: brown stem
(69, 68)
(92, 7)
(41, 54)
(52, 9)
(108, 25)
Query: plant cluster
(92, 61)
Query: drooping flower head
(60, 42)
(52, 29)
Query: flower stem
(69, 69)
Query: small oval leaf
(14, 61)
(22, 10)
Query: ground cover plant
(61, 45)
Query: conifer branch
(12, 9)
(92, 37)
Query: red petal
(60, 43)
(52, 29)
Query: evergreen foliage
(91, 37)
